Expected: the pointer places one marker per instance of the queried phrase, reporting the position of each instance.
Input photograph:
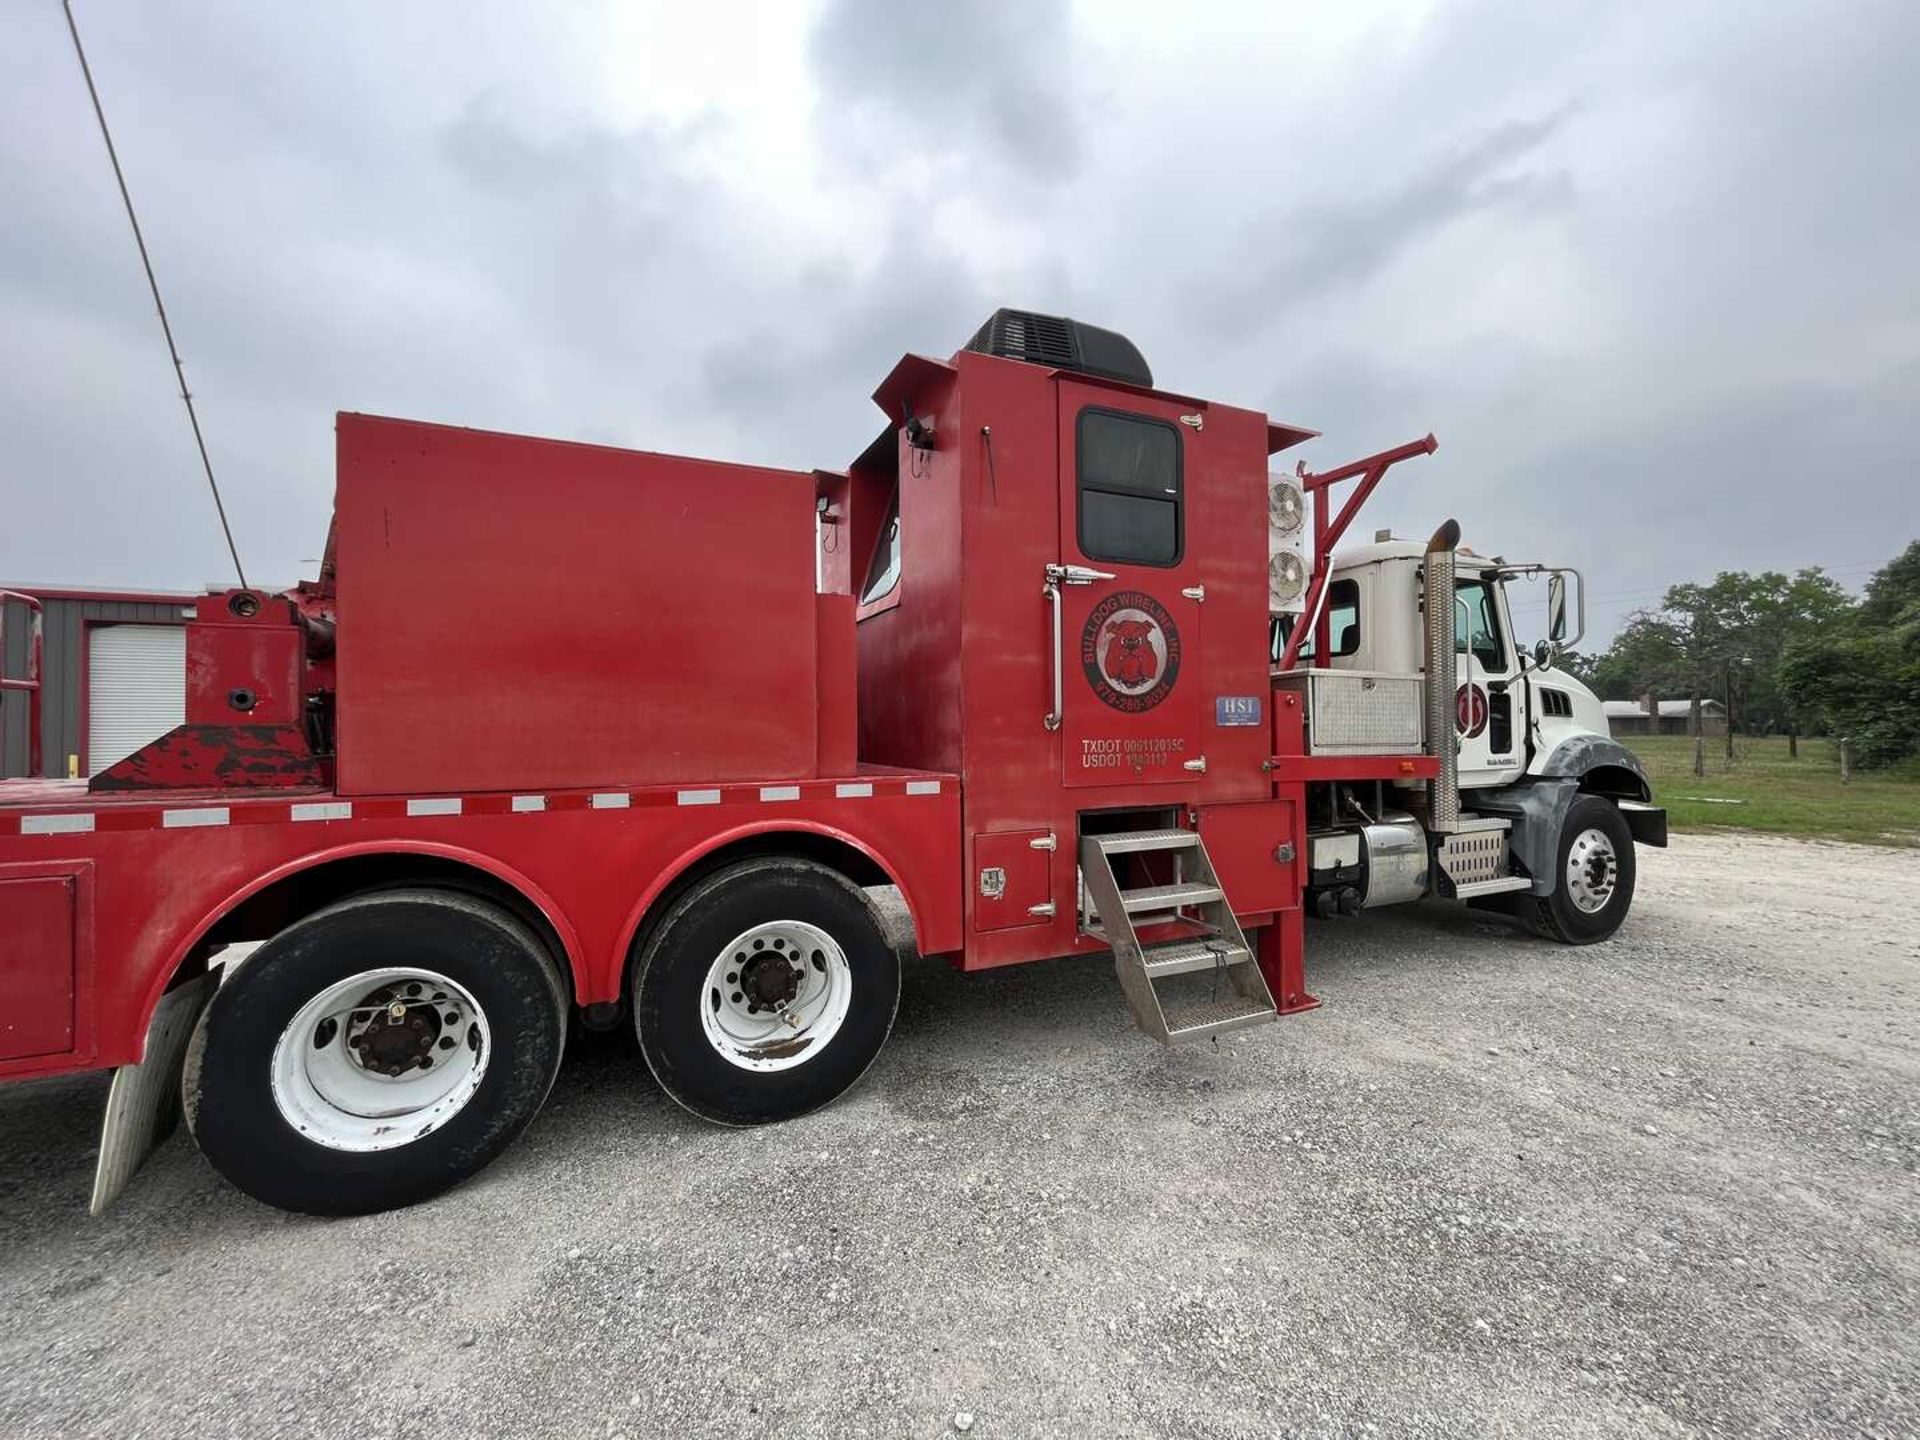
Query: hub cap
(380, 1059)
(775, 996)
(1593, 870)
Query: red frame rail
(31, 681)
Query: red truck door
(1129, 588)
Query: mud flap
(144, 1100)
(1646, 823)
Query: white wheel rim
(346, 1070)
(1593, 871)
(776, 996)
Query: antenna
(154, 285)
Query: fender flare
(1578, 755)
(618, 960)
(169, 971)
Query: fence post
(1846, 762)
(1699, 734)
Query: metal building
(1674, 717)
(113, 675)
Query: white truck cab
(1550, 805)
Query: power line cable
(154, 285)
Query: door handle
(1077, 574)
(1058, 575)
(1052, 592)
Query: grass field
(1774, 793)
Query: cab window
(1476, 625)
(1343, 624)
(1128, 472)
(883, 571)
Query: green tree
(1723, 639)
(1862, 675)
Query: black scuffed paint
(235, 757)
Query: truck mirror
(1556, 607)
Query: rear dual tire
(376, 1052)
(764, 992)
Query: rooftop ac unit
(1286, 546)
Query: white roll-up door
(136, 688)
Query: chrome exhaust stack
(1443, 740)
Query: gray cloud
(1649, 276)
(925, 82)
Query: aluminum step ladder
(1214, 943)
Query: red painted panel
(1252, 845)
(36, 965)
(1025, 873)
(518, 613)
(839, 715)
(262, 660)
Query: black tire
(1557, 916)
(670, 986)
(227, 1086)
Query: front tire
(376, 1052)
(765, 991)
(1593, 875)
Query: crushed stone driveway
(1660, 1186)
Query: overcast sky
(1650, 271)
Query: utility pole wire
(154, 285)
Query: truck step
(1170, 897)
(1499, 886)
(1133, 842)
(1218, 1018)
(1193, 898)
(1178, 957)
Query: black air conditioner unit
(1061, 344)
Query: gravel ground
(1660, 1186)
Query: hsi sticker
(1236, 709)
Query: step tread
(1221, 1015)
(1131, 842)
(1178, 957)
(1167, 897)
(1499, 886)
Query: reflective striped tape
(114, 817)
(55, 824)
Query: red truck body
(569, 677)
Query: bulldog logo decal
(1130, 651)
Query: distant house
(1629, 717)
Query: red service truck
(562, 734)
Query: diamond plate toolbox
(1358, 712)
